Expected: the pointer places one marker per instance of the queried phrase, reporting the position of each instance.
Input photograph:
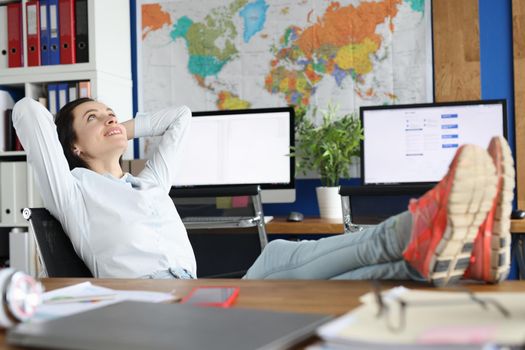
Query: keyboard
(215, 219)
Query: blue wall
(497, 80)
(133, 37)
(495, 34)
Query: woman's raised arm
(130, 128)
(37, 132)
(171, 124)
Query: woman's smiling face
(98, 132)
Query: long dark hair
(66, 133)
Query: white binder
(6, 102)
(13, 193)
(3, 37)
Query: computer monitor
(414, 144)
(241, 147)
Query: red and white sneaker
(490, 260)
(446, 219)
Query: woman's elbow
(27, 107)
(184, 112)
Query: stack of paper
(86, 296)
(431, 319)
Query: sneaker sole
(470, 199)
(501, 237)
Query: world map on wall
(217, 54)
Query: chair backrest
(54, 246)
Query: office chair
(55, 250)
(59, 258)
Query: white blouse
(121, 228)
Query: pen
(79, 299)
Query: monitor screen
(412, 144)
(239, 147)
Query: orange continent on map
(153, 18)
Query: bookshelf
(108, 71)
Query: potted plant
(327, 149)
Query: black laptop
(137, 325)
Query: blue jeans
(374, 253)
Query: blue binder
(63, 94)
(44, 33)
(54, 32)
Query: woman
(127, 226)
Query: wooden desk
(318, 226)
(517, 226)
(310, 225)
(326, 297)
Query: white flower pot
(329, 202)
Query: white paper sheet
(47, 311)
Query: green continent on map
(210, 42)
(340, 45)
(417, 5)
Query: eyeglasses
(398, 323)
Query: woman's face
(99, 134)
